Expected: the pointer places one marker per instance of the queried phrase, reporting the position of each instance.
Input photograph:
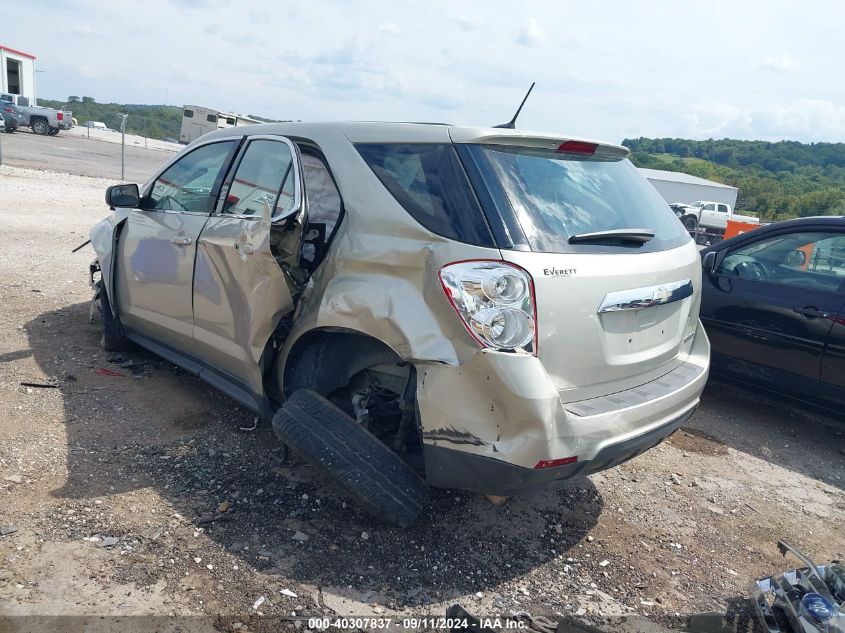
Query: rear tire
(689, 222)
(113, 339)
(52, 131)
(353, 458)
(39, 126)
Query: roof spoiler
(561, 145)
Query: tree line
(153, 121)
(776, 180)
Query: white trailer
(197, 120)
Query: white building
(679, 187)
(17, 73)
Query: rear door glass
(556, 196)
(428, 180)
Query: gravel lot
(139, 494)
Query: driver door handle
(811, 312)
(181, 240)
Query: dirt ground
(128, 487)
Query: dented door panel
(240, 293)
(241, 290)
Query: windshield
(555, 197)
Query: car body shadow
(135, 422)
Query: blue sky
(756, 70)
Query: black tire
(52, 131)
(39, 126)
(113, 339)
(354, 459)
(689, 222)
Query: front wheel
(113, 339)
(689, 222)
(354, 459)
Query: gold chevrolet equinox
(415, 305)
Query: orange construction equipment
(735, 228)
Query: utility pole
(165, 96)
(122, 144)
(35, 84)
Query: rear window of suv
(555, 196)
(430, 183)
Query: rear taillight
(60, 116)
(495, 301)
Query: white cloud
(804, 119)
(258, 17)
(78, 30)
(531, 34)
(391, 28)
(780, 64)
(603, 70)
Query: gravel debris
(145, 462)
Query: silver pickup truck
(707, 221)
(40, 120)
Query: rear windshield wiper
(622, 236)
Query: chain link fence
(93, 148)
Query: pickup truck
(710, 219)
(41, 120)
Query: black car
(8, 123)
(12, 116)
(773, 305)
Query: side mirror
(708, 263)
(127, 196)
(795, 258)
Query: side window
(709, 207)
(211, 118)
(324, 204)
(265, 176)
(723, 208)
(814, 260)
(429, 182)
(187, 184)
(189, 114)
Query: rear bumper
(488, 424)
(455, 469)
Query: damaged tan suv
(415, 305)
